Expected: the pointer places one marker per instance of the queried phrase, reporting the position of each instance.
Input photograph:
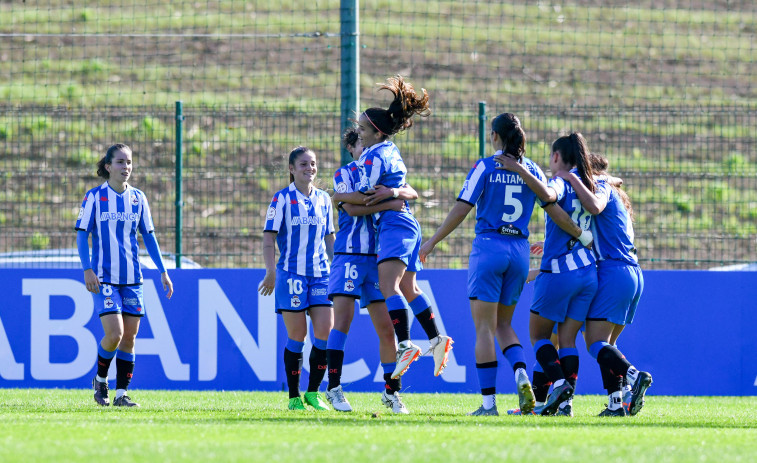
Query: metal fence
(667, 90)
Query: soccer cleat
(124, 401)
(485, 411)
(565, 409)
(440, 347)
(558, 396)
(627, 395)
(407, 353)
(394, 401)
(295, 403)
(336, 397)
(101, 392)
(315, 400)
(617, 412)
(643, 381)
(518, 411)
(526, 399)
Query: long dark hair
(508, 127)
(108, 159)
(405, 105)
(575, 152)
(349, 137)
(296, 153)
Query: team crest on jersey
(349, 286)
(341, 188)
(271, 213)
(134, 199)
(108, 303)
(296, 301)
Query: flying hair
(406, 104)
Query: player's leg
(344, 311)
(296, 327)
(382, 323)
(568, 354)
(322, 318)
(513, 352)
(113, 329)
(391, 272)
(485, 323)
(125, 359)
(439, 344)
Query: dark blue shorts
(558, 296)
(618, 293)
(497, 268)
(295, 293)
(355, 276)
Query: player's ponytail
(513, 137)
(108, 159)
(600, 165)
(405, 105)
(575, 152)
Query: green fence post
(481, 129)
(179, 173)
(350, 43)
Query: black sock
(541, 385)
(392, 385)
(569, 365)
(426, 319)
(550, 362)
(401, 325)
(335, 359)
(611, 358)
(124, 372)
(318, 366)
(103, 365)
(610, 381)
(293, 367)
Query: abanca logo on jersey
(306, 220)
(120, 216)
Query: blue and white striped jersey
(113, 220)
(301, 223)
(504, 203)
(562, 252)
(612, 229)
(381, 164)
(356, 235)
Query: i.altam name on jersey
(503, 177)
(122, 216)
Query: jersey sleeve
(342, 181)
(146, 224)
(86, 219)
(604, 190)
(557, 184)
(275, 215)
(474, 184)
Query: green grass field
(66, 425)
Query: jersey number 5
(512, 202)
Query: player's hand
(167, 284)
(91, 282)
(586, 238)
(426, 249)
(379, 194)
(268, 284)
(507, 162)
(537, 249)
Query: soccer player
(567, 280)
(399, 233)
(113, 213)
(299, 219)
(354, 275)
(620, 286)
(498, 264)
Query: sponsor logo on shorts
(296, 301)
(320, 292)
(131, 301)
(349, 285)
(108, 303)
(139, 309)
